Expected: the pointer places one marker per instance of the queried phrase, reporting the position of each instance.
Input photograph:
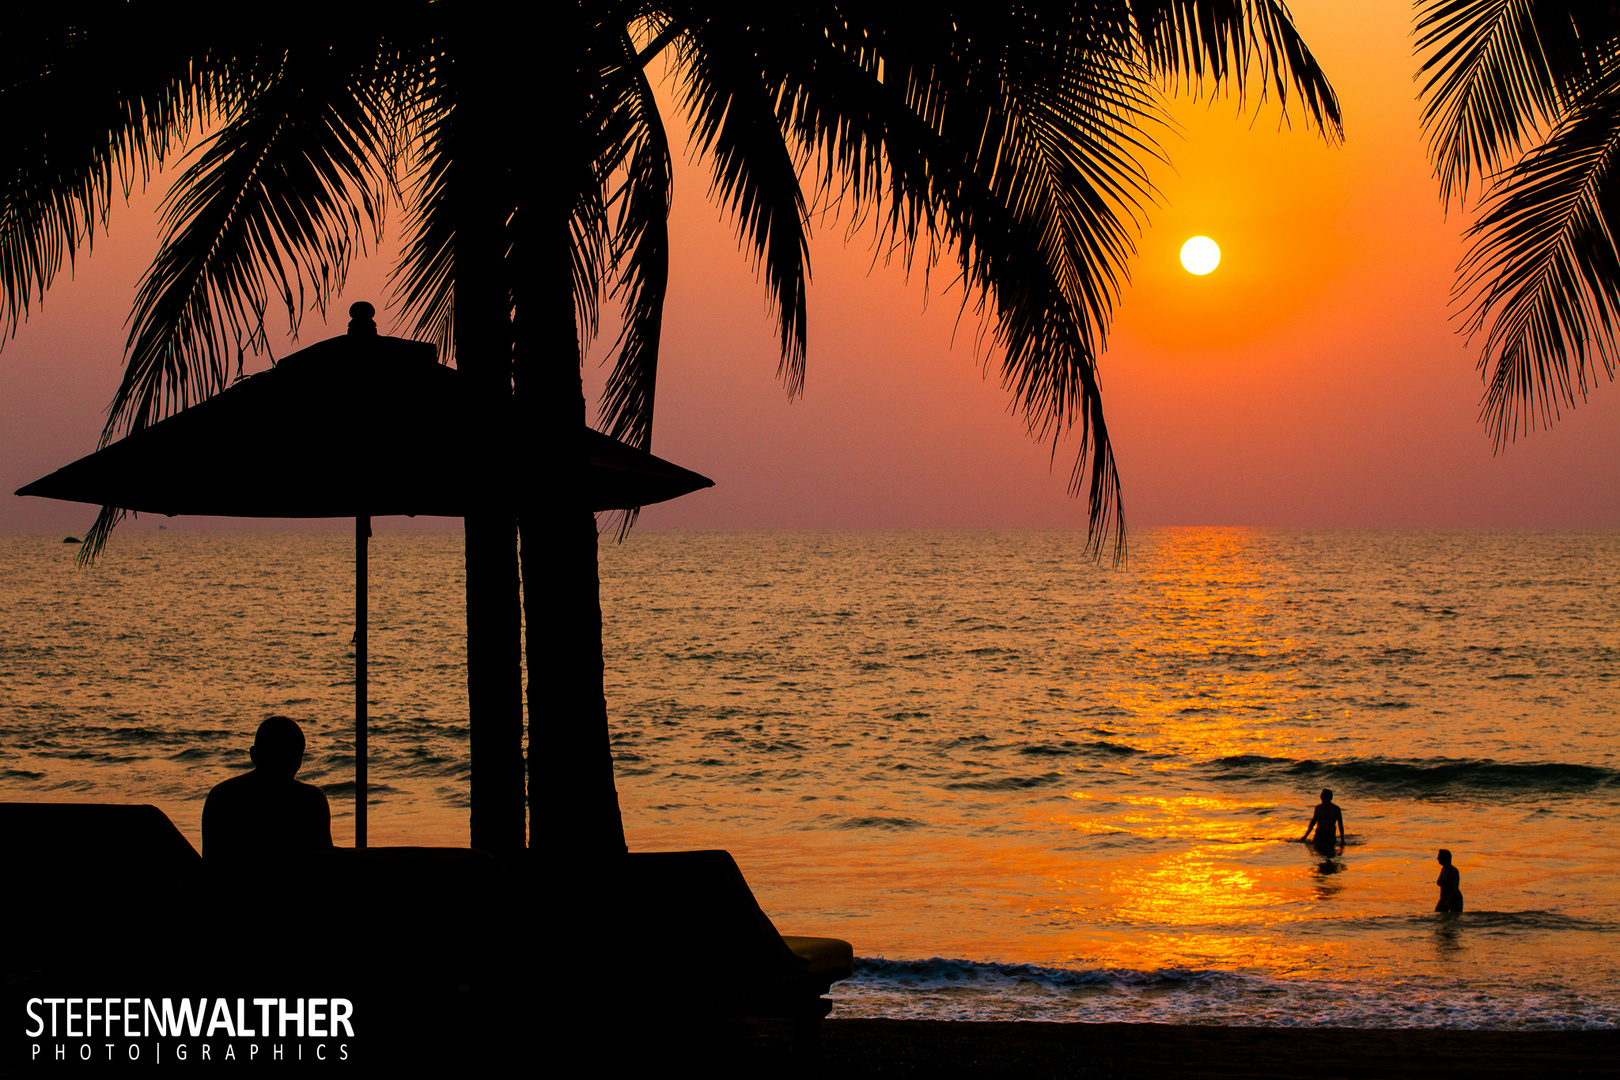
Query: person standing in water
(1324, 820)
(1450, 883)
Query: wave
(345, 789)
(1424, 776)
(1104, 747)
(1006, 783)
(1477, 921)
(1536, 920)
(1070, 748)
(130, 734)
(951, 989)
(941, 973)
(878, 822)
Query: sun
(1200, 255)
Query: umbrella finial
(362, 319)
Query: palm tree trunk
(481, 194)
(573, 805)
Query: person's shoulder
(231, 787)
(311, 793)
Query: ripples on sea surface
(1024, 785)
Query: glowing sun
(1200, 255)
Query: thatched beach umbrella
(355, 426)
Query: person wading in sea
(266, 812)
(1326, 817)
(1450, 882)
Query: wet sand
(884, 1048)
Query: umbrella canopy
(355, 426)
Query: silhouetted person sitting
(1450, 883)
(1323, 821)
(267, 813)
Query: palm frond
(1499, 75)
(1236, 43)
(93, 98)
(277, 203)
(641, 268)
(95, 541)
(1543, 273)
(734, 124)
(1008, 147)
(423, 282)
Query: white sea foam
(942, 989)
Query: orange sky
(1313, 380)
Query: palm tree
(1523, 100)
(1004, 139)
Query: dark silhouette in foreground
(267, 812)
(1450, 882)
(1325, 818)
(430, 944)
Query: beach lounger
(694, 912)
(92, 883)
(118, 887)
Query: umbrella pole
(362, 532)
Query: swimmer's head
(1327, 794)
(278, 748)
(1444, 857)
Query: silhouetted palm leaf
(89, 112)
(1239, 43)
(641, 267)
(1544, 274)
(424, 279)
(732, 109)
(1523, 94)
(276, 204)
(1501, 73)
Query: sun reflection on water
(1159, 951)
(1202, 886)
(1190, 816)
(1214, 666)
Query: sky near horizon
(1315, 379)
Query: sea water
(1024, 784)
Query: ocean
(1024, 784)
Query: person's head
(1444, 857)
(278, 748)
(1327, 794)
